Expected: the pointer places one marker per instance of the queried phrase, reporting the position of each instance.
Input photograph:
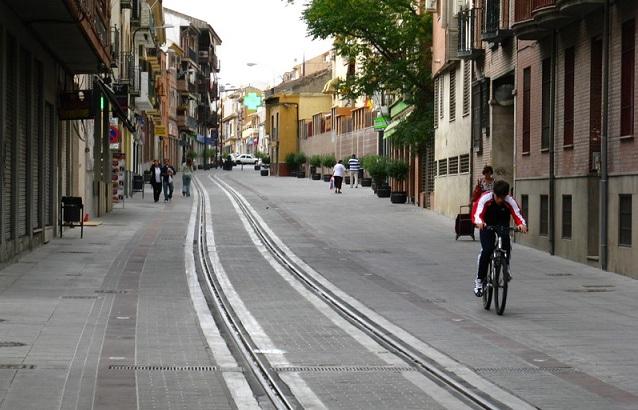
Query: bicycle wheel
(499, 283)
(487, 292)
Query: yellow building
(286, 105)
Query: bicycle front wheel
(487, 292)
(499, 283)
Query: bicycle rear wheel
(499, 283)
(487, 292)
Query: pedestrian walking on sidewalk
(156, 179)
(187, 176)
(168, 172)
(338, 174)
(354, 166)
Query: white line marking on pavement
(436, 392)
(237, 384)
(443, 360)
(297, 385)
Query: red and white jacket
(487, 207)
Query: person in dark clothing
(156, 179)
(168, 173)
(494, 209)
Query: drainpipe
(552, 130)
(604, 177)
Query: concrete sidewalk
(568, 337)
(77, 316)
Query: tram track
(464, 388)
(262, 378)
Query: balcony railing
(469, 42)
(192, 54)
(496, 21)
(97, 14)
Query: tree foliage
(390, 41)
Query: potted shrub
(315, 162)
(366, 181)
(260, 156)
(398, 170)
(301, 159)
(265, 165)
(328, 161)
(378, 169)
(291, 163)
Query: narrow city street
(128, 318)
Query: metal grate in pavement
(559, 274)
(343, 369)
(589, 290)
(524, 370)
(112, 291)
(163, 368)
(79, 297)
(4, 366)
(78, 252)
(11, 344)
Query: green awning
(391, 129)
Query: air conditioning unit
(430, 6)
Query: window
(544, 221)
(525, 207)
(567, 216)
(480, 112)
(527, 79)
(485, 106)
(624, 220)
(464, 163)
(452, 95)
(442, 167)
(453, 165)
(467, 83)
(436, 102)
(546, 102)
(627, 78)
(568, 103)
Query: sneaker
(478, 288)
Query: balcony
(153, 58)
(469, 41)
(82, 45)
(534, 19)
(146, 101)
(496, 21)
(185, 122)
(579, 7)
(184, 86)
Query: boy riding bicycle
(494, 209)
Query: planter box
(384, 191)
(346, 180)
(301, 174)
(257, 167)
(367, 182)
(398, 197)
(316, 177)
(264, 172)
(326, 178)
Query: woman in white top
(187, 176)
(338, 174)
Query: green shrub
(329, 161)
(300, 159)
(315, 161)
(398, 170)
(378, 169)
(265, 159)
(291, 161)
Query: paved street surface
(112, 321)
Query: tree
(390, 40)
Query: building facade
(563, 127)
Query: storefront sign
(118, 166)
(77, 105)
(160, 131)
(380, 123)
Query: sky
(268, 33)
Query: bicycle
(498, 275)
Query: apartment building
(452, 69)
(40, 112)
(568, 139)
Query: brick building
(560, 129)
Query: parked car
(246, 159)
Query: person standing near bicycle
(494, 209)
